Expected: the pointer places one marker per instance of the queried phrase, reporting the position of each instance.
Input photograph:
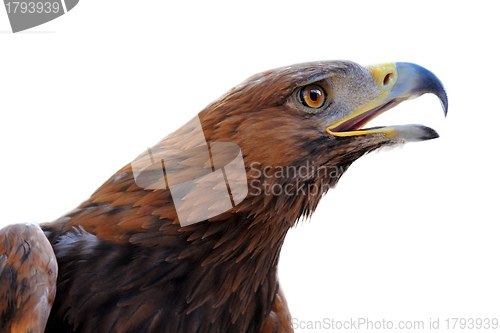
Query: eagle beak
(398, 82)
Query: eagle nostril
(388, 79)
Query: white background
(408, 234)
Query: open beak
(398, 82)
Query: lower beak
(398, 82)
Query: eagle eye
(312, 96)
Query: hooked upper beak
(398, 82)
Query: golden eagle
(187, 237)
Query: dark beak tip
(441, 94)
(443, 98)
(444, 104)
(436, 87)
(428, 134)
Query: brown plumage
(28, 273)
(126, 264)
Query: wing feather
(28, 277)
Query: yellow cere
(386, 76)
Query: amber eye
(312, 96)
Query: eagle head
(300, 127)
